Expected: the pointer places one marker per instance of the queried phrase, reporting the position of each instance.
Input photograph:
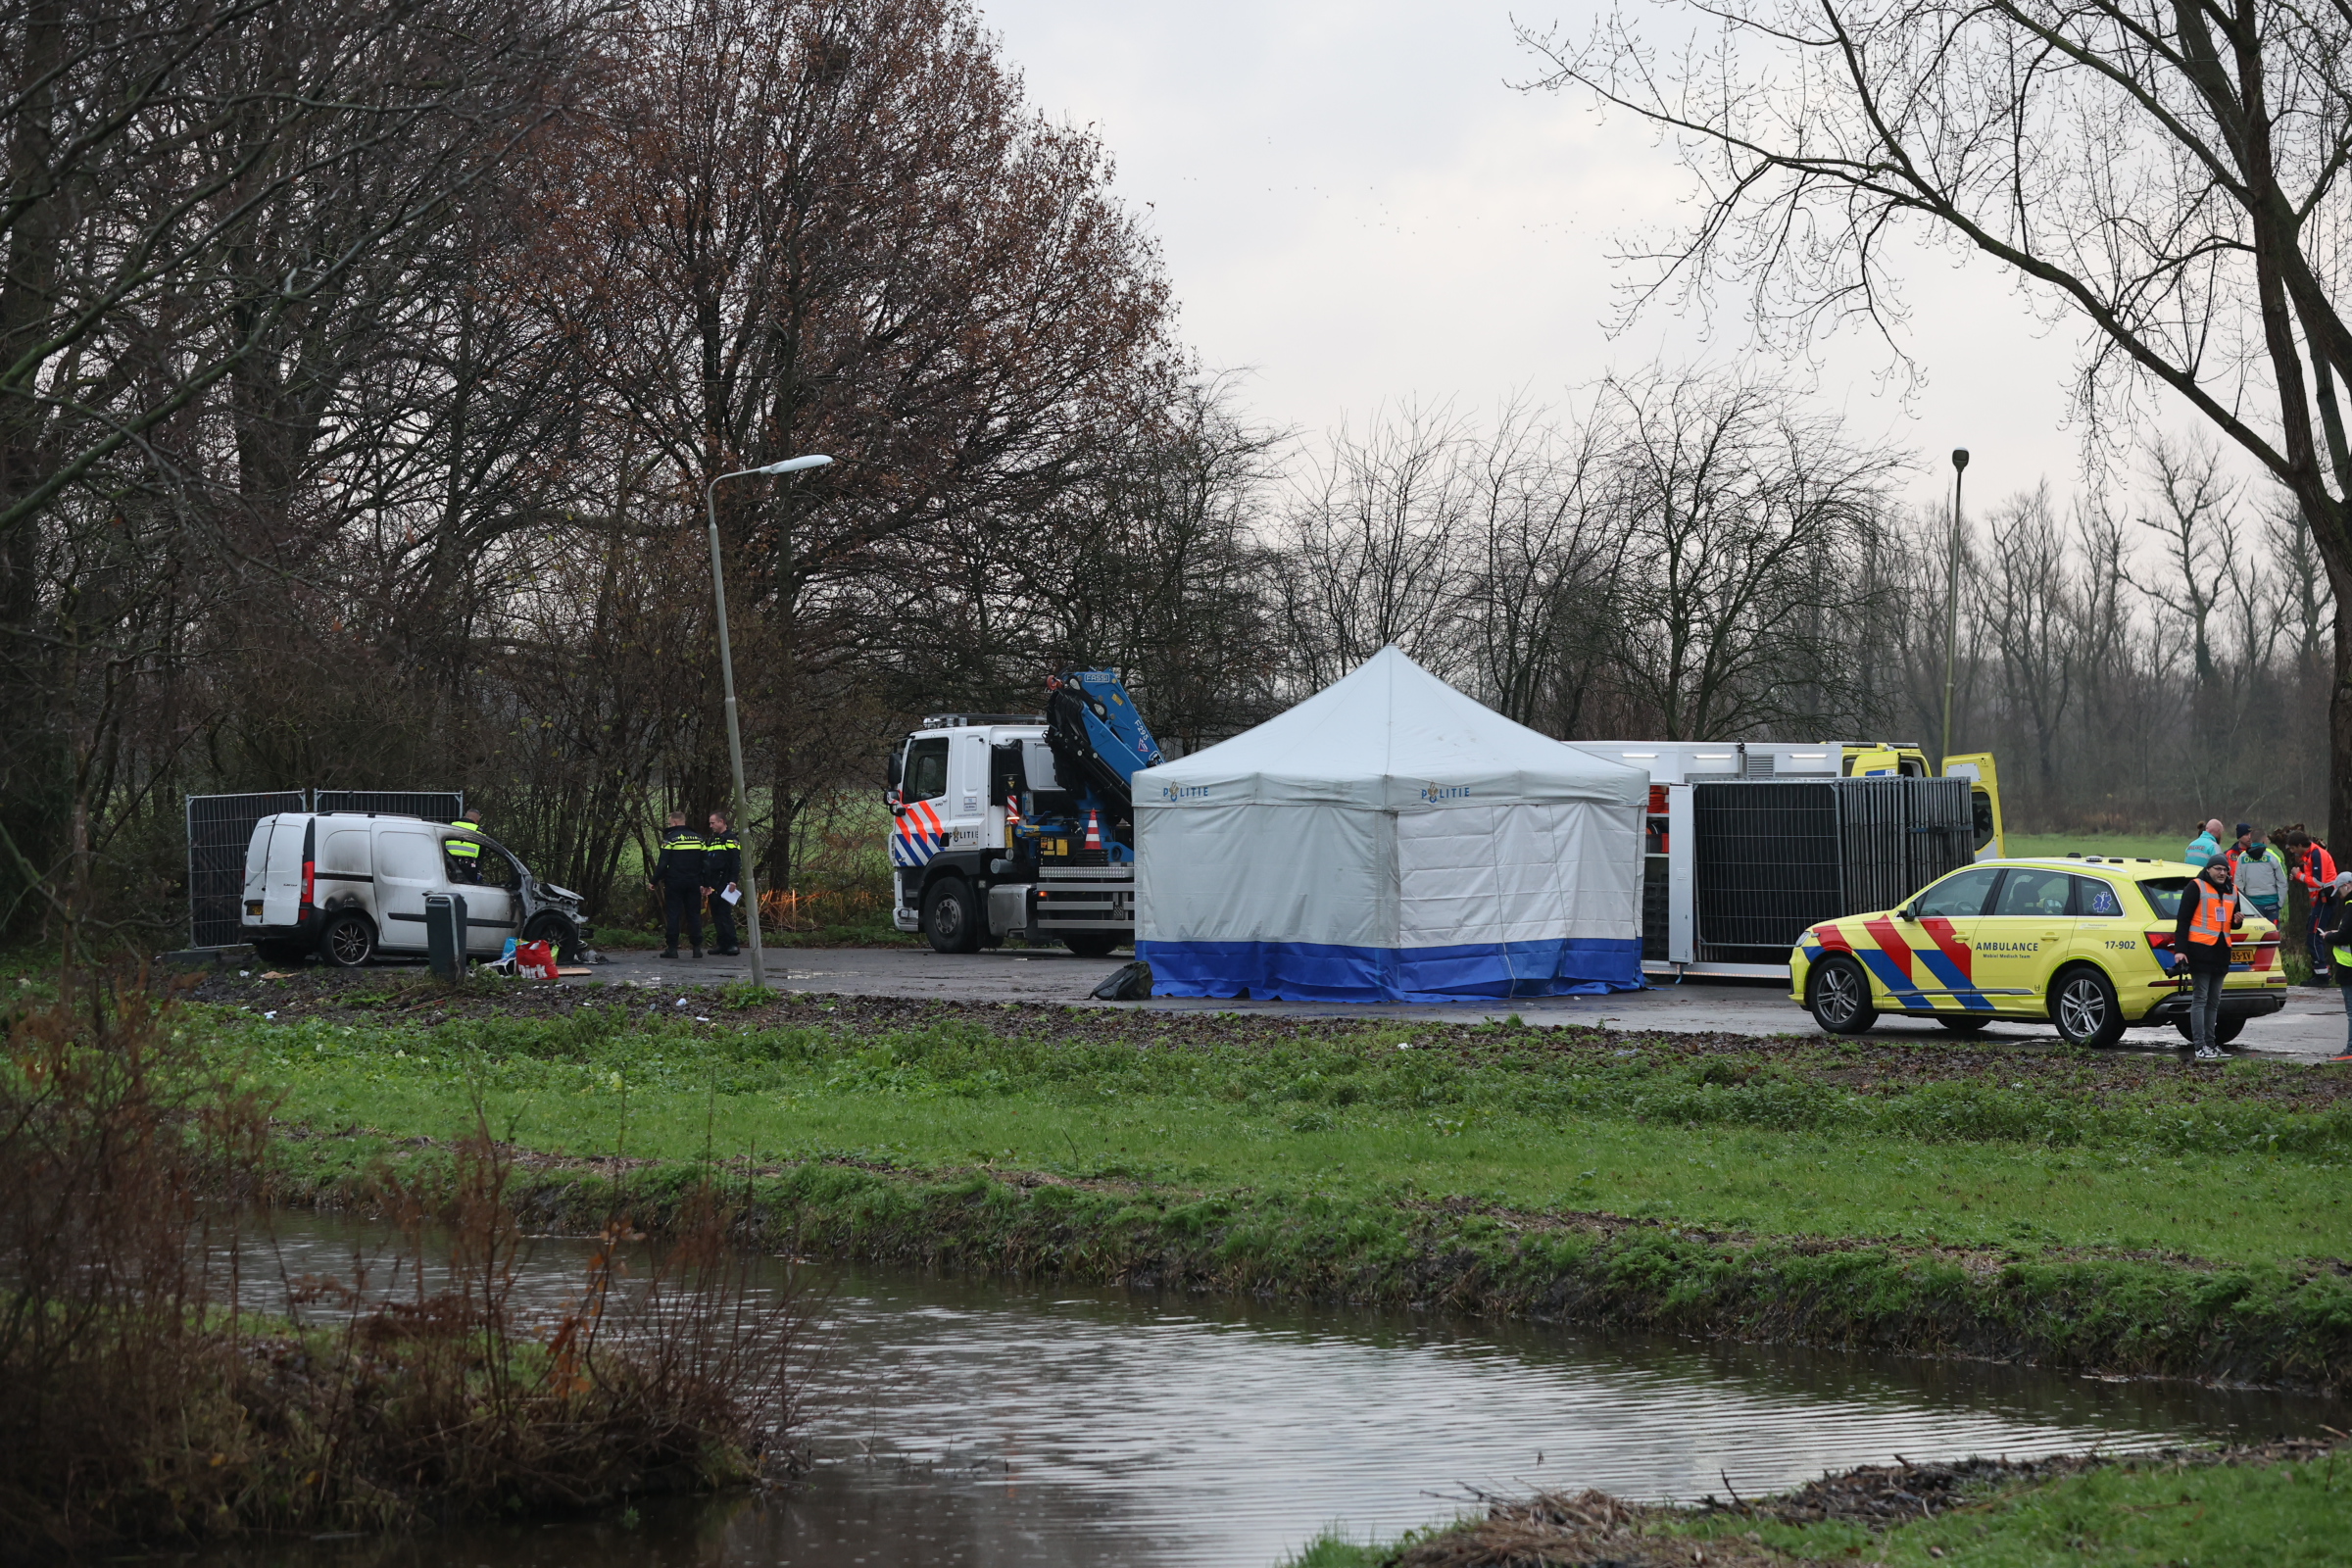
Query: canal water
(961, 1422)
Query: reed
(144, 1400)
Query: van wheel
(2084, 1008)
(949, 918)
(1840, 998)
(559, 932)
(348, 941)
(1091, 944)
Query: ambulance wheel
(1091, 944)
(348, 941)
(1840, 998)
(2225, 1030)
(2083, 1007)
(1964, 1023)
(950, 918)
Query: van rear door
(256, 872)
(281, 878)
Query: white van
(349, 885)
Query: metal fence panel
(219, 827)
(434, 805)
(1775, 857)
(1767, 862)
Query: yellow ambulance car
(2084, 942)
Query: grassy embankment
(1951, 1198)
(2285, 1505)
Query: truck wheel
(1091, 944)
(2084, 1008)
(558, 931)
(348, 941)
(1840, 998)
(950, 919)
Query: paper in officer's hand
(733, 895)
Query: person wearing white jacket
(2261, 878)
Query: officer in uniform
(464, 853)
(722, 864)
(678, 873)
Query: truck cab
(1006, 824)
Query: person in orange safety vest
(2315, 873)
(2210, 911)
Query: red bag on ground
(534, 960)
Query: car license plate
(2241, 955)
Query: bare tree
(2167, 173)
(1735, 602)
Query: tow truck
(1021, 825)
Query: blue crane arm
(1097, 734)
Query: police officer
(678, 873)
(722, 863)
(464, 853)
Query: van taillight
(310, 882)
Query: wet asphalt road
(2311, 1027)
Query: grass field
(1818, 1140)
(2155, 846)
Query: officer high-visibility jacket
(722, 859)
(680, 864)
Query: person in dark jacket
(2335, 930)
(2209, 912)
(722, 864)
(678, 873)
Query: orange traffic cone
(1094, 831)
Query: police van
(350, 885)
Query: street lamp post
(727, 666)
(1951, 607)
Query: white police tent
(1390, 839)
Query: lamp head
(796, 465)
(1960, 457)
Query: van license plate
(2241, 955)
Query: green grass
(2280, 1515)
(1770, 1150)
(2155, 846)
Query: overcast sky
(1355, 207)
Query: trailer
(1748, 844)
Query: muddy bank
(1871, 1503)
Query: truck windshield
(2164, 894)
